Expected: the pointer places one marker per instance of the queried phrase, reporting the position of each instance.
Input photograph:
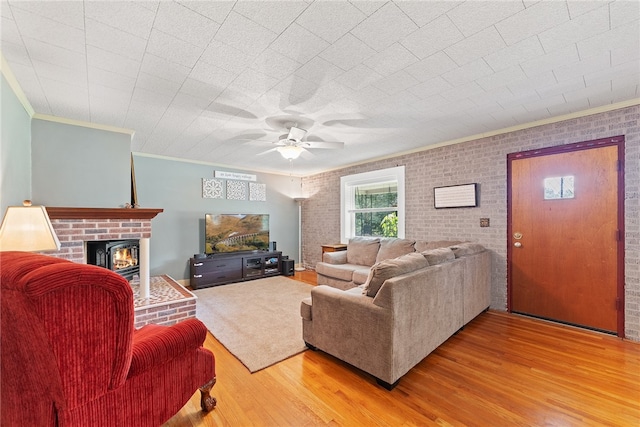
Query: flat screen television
(236, 232)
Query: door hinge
(619, 165)
(618, 304)
(619, 236)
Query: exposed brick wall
(166, 314)
(73, 233)
(484, 161)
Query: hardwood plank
(501, 369)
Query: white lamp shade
(27, 228)
(290, 152)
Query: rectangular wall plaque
(456, 196)
(235, 175)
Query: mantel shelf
(101, 213)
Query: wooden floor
(500, 370)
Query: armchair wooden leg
(207, 402)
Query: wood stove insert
(121, 256)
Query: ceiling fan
(291, 145)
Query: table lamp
(27, 228)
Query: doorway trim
(586, 145)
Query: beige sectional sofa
(346, 269)
(404, 308)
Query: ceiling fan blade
(316, 141)
(326, 144)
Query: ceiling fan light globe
(290, 152)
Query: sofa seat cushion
(438, 256)
(337, 271)
(360, 275)
(362, 250)
(393, 248)
(389, 268)
(422, 246)
(466, 248)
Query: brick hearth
(168, 303)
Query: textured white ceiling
(219, 81)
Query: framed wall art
(456, 196)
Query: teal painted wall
(178, 232)
(78, 166)
(15, 151)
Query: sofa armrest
(339, 257)
(349, 326)
(154, 344)
(348, 313)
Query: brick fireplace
(168, 302)
(76, 226)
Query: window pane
(552, 188)
(377, 195)
(379, 224)
(567, 187)
(561, 187)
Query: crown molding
(82, 123)
(15, 86)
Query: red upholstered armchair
(71, 356)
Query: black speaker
(272, 246)
(288, 267)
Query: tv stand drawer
(209, 265)
(215, 278)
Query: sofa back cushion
(363, 250)
(393, 248)
(389, 268)
(438, 256)
(422, 245)
(467, 248)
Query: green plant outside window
(376, 210)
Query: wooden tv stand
(220, 269)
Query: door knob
(517, 244)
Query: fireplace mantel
(102, 213)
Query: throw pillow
(467, 248)
(393, 248)
(438, 256)
(362, 250)
(389, 268)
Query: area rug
(258, 321)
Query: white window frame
(348, 184)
